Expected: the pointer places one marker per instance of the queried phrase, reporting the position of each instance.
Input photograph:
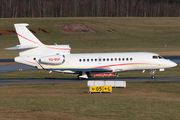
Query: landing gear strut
(152, 73)
(79, 78)
(83, 75)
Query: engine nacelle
(53, 59)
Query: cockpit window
(155, 57)
(160, 57)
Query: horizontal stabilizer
(20, 47)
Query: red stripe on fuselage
(120, 65)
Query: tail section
(25, 36)
(30, 45)
(32, 51)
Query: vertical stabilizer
(25, 36)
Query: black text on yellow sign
(101, 89)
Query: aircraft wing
(86, 70)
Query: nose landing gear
(152, 73)
(152, 76)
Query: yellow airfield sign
(100, 88)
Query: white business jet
(58, 58)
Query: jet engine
(53, 59)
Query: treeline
(89, 8)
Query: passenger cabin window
(114, 59)
(155, 57)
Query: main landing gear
(152, 73)
(83, 75)
(80, 77)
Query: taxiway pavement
(15, 67)
(74, 80)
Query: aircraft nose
(173, 64)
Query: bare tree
(89, 8)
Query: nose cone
(173, 64)
(168, 64)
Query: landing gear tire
(153, 77)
